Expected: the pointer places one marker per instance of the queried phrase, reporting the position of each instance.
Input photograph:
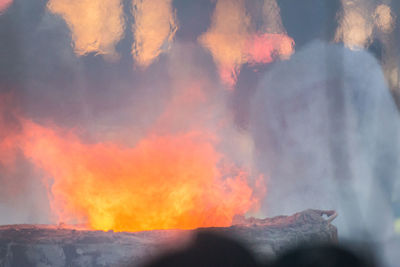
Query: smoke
(55, 87)
(332, 148)
(4, 4)
(71, 101)
(326, 132)
(21, 198)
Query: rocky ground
(44, 245)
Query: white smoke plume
(326, 130)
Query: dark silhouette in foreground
(210, 249)
(326, 255)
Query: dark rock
(44, 245)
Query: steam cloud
(4, 4)
(326, 130)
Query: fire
(176, 176)
(169, 179)
(163, 182)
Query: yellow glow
(154, 29)
(96, 25)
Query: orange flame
(163, 182)
(166, 180)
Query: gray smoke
(326, 133)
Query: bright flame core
(164, 182)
